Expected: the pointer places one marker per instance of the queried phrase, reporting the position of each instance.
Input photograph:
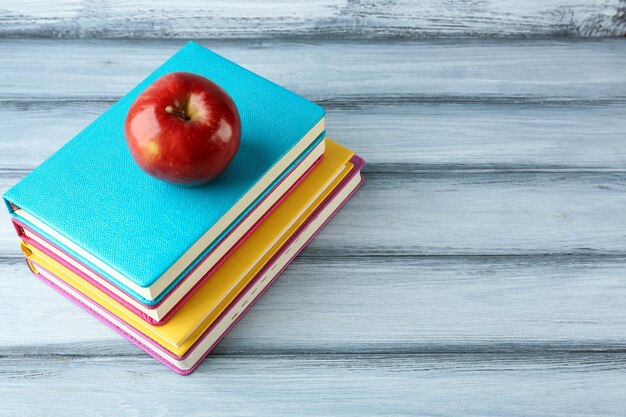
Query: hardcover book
(161, 309)
(219, 302)
(143, 235)
(331, 169)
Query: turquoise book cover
(93, 193)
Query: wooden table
(480, 270)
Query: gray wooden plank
(380, 316)
(440, 213)
(487, 213)
(577, 385)
(337, 73)
(319, 18)
(427, 136)
(375, 305)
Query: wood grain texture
(374, 305)
(431, 136)
(479, 271)
(440, 213)
(337, 74)
(343, 385)
(311, 19)
(484, 105)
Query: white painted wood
(420, 137)
(379, 305)
(500, 212)
(478, 272)
(482, 104)
(337, 74)
(317, 18)
(354, 385)
(439, 213)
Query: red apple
(183, 128)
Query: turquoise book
(144, 235)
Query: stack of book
(170, 268)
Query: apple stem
(178, 113)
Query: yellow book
(210, 300)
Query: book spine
(10, 206)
